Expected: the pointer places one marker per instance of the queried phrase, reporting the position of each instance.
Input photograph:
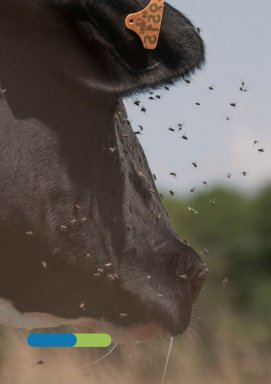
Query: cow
(84, 237)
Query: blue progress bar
(51, 340)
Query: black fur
(76, 190)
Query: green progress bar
(93, 340)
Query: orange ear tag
(147, 23)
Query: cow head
(93, 243)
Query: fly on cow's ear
(147, 23)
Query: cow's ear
(117, 60)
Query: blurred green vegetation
(232, 233)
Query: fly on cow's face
(76, 209)
(44, 264)
(112, 277)
(108, 265)
(124, 315)
(158, 217)
(3, 92)
(112, 149)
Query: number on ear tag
(147, 23)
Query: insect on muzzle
(147, 23)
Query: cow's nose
(197, 280)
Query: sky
(237, 37)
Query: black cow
(84, 238)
